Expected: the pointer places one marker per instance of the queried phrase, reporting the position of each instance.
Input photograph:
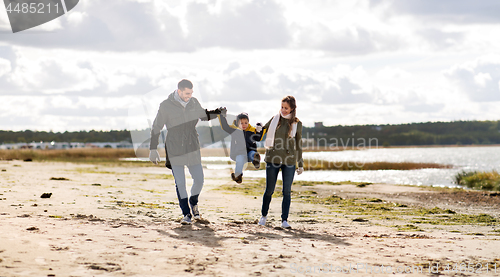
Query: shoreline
(342, 148)
(114, 220)
(219, 152)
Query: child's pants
(241, 160)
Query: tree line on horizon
(428, 133)
(28, 136)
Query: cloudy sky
(346, 62)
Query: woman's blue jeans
(287, 174)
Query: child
(243, 146)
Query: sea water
(460, 158)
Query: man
(180, 113)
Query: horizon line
(324, 126)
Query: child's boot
(256, 160)
(238, 179)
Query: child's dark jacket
(242, 141)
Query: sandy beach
(108, 220)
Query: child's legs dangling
(241, 160)
(251, 155)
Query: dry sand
(124, 221)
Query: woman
(283, 151)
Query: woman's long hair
(290, 100)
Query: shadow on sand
(196, 233)
(212, 236)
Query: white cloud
(74, 18)
(55, 75)
(350, 41)
(4, 22)
(477, 79)
(391, 73)
(439, 39)
(61, 113)
(110, 25)
(354, 28)
(115, 82)
(231, 67)
(481, 78)
(5, 66)
(249, 25)
(455, 11)
(52, 75)
(352, 62)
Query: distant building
(307, 142)
(318, 125)
(121, 144)
(66, 145)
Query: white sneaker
(285, 225)
(186, 220)
(262, 221)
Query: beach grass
(314, 165)
(408, 217)
(114, 156)
(68, 155)
(349, 165)
(482, 180)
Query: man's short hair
(184, 84)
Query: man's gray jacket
(182, 144)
